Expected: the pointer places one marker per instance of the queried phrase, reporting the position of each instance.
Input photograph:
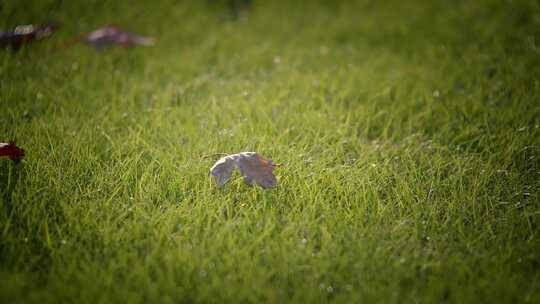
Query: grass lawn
(409, 134)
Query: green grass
(409, 132)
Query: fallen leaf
(11, 151)
(114, 35)
(23, 34)
(253, 167)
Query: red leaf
(11, 151)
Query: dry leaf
(254, 168)
(11, 151)
(114, 35)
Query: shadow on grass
(10, 174)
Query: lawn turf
(409, 133)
